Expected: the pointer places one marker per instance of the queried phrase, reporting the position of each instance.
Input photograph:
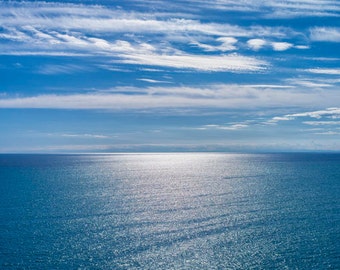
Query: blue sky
(153, 75)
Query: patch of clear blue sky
(93, 76)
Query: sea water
(170, 211)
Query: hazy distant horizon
(173, 152)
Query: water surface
(170, 211)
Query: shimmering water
(170, 211)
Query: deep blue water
(170, 211)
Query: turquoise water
(170, 211)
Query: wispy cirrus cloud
(303, 8)
(231, 126)
(321, 123)
(226, 44)
(326, 71)
(330, 34)
(85, 135)
(331, 113)
(41, 16)
(143, 54)
(216, 96)
(266, 9)
(38, 33)
(152, 81)
(232, 62)
(312, 83)
(328, 133)
(61, 69)
(50, 28)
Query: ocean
(170, 211)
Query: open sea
(170, 211)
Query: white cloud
(318, 114)
(13, 34)
(145, 54)
(96, 19)
(234, 126)
(330, 34)
(265, 8)
(151, 80)
(333, 113)
(38, 30)
(291, 8)
(328, 133)
(256, 44)
(327, 71)
(61, 69)
(86, 135)
(231, 62)
(281, 46)
(280, 118)
(213, 96)
(310, 83)
(302, 47)
(321, 123)
(96, 29)
(228, 44)
(59, 29)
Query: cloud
(319, 126)
(60, 148)
(298, 8)
(133, 38)
(211, 96)
(234, 126)
(328, 133)
(327, 71)
(310, 83)
(256, 44)
(146, 54)
(321, 123)
(35, 28)
(86, 135)
(281, 46)
(329, 34)
(61, 69)
(231, 62)
(96, 19)
(228, 44)
(152, 81)
(330, 112)
(267, 9)
(301, 47)
(280, 118)
(318, 114)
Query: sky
(181, 75)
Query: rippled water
(170, 211)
